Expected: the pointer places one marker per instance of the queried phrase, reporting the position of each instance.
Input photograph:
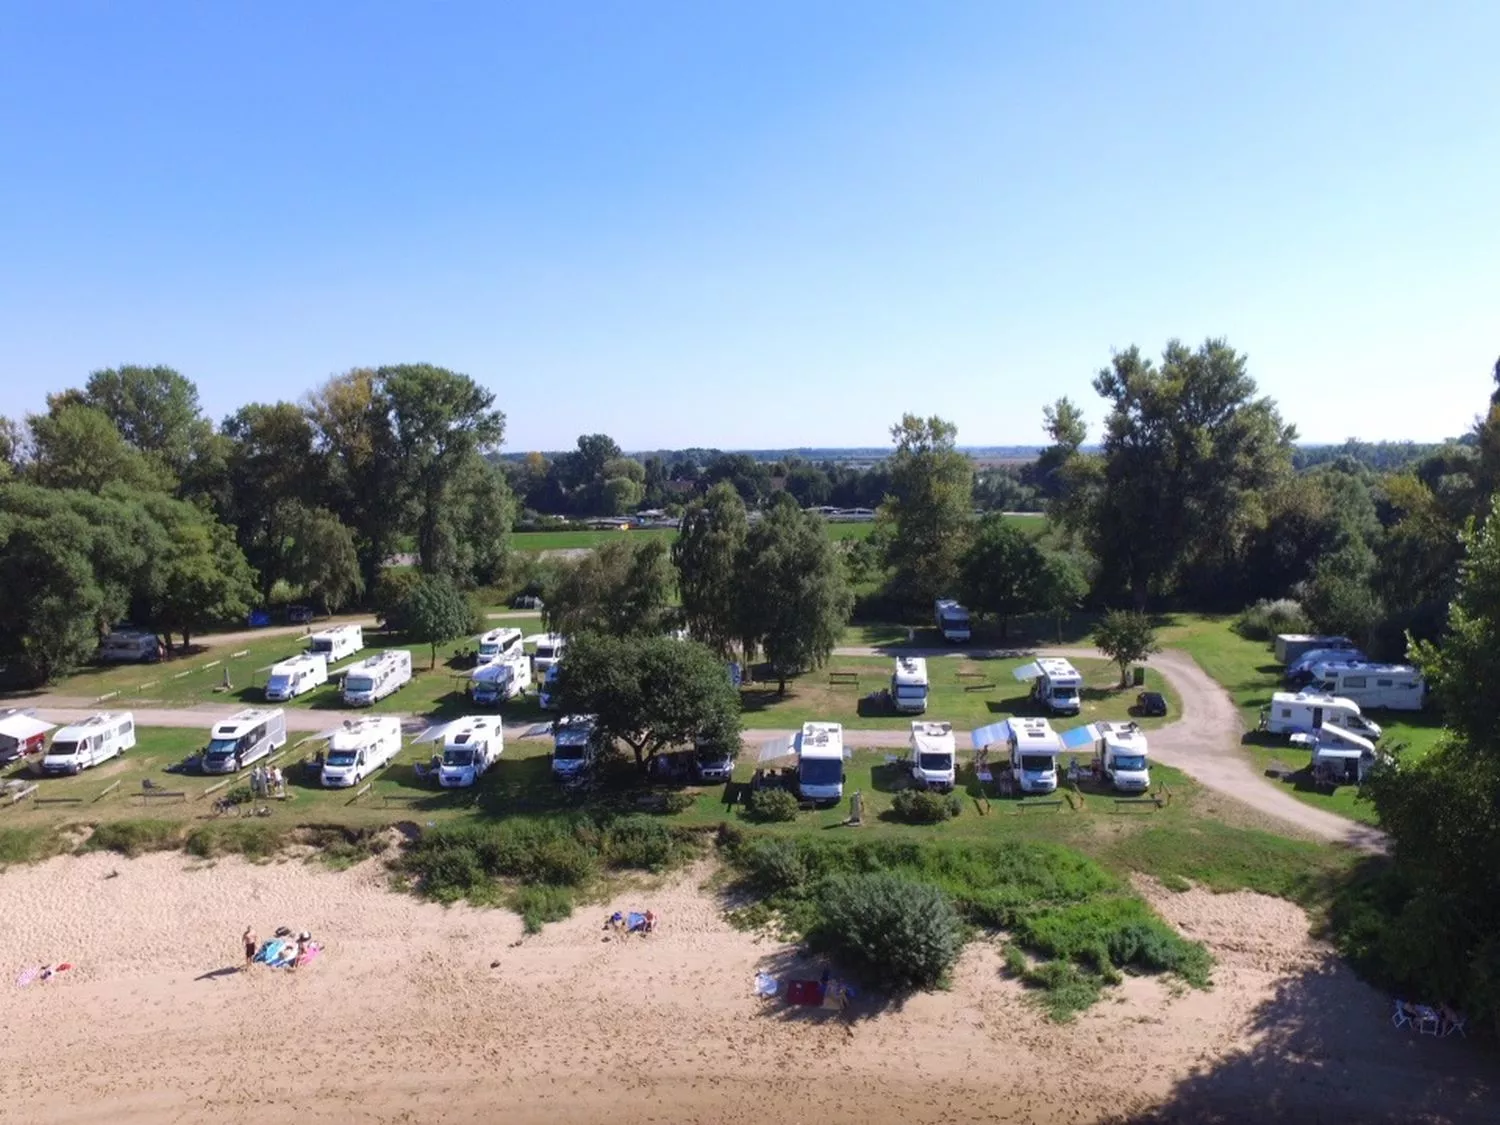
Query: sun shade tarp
(433, 734)
(774, 749)
(23, 727)
(1079, 737)
(1027, 671)
(988, 736)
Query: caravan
(376, 677)
(500, 680)
(573, 747)
(21, 733)
(336, 643)
(1055, 684)
(359, 748)
(1299, 672)
(1398, 687)
(498, 644)
(934, 758)
(97, 739)
(1034, 750)
(951, 619)
(820, 762)
(129, 646)
(471, 745)
(243, 738)
(1306, 713)
(909, 685)
(1291, 647)
(293, 677)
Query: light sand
(402, 1019)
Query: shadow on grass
(889, 777)
(753, 700)
(876, 705)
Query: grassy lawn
(966, 692)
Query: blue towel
(635, 921)
(271, 951)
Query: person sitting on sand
(304, 940)
(616, 921)
(650, 922)
(251, 945)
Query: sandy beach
(404, 1019)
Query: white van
(1055, 684)
(1034, 750)
(1120, 756)
(337, 643)
(1304, 713)
(909, 685)
(500, 680)
(820, 762)
(293, 677)
(498, 644)
(376, 677)
(951, 619)
(360, 748)
(934, 756)
(574, 747)
(549, 651)
(243, 738)
(129, 646)
(471, 745)
(546, 695)
(1398, 687)
(97, 739)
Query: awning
(1027, 671)
(535, 638)
(988, 736)
(1079, 737)
(434, 733)
(23, 727)
(775, 748)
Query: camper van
(359, 748)
(820, 762)
(243, 738)
(376, 677)
(1055, 684)
(97, 739)
(21, 733)
(1291, 647)
(1398, 687)
(1120, 756)
(546, 695)
(549, 651)
(293, 677)
(909, 685)
(573, 747)
(934, 758)
(1300, 670)
(336, 643)
(128, 646)
(471, 745)
(498, 644)
(1034, 750)
(951, 619)
(1305, 713)
(493, 683)
(1339, 757)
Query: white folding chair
(1401, 1017)
(1455, 1022)
(1428, 1021)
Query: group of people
(633, 923)
(281, 951)
(267, 781)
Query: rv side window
(123, 731)
(257, 734)
(1355, 682)
(1382, 683)
(1286, 712)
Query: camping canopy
(434, 733)
(1079, 737)
(988, 736)
(773, 749)
(23, 727)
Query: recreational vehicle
(243, 738)
(359, 748)
(1304, 713)
(1339, 757)
(909, 685)
(1034, 750)
(97, 739)
(549, 651)
(1119, 753)
(573, 747)
(820, 762)
(471, 745)
(376, 677)
(546, 695)
(498, 644)
(336, 643)
(21, 733)
(1300, 670)
(293, 677)
(951, 619)
(1291, 647)
(494, 683)
(934, 758)
(1055, 684)
(128, 646)
(1398, 687)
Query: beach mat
(804, 993)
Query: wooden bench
(360, 792)
(843, 679)
(57, 800)
(1051, 804)
(149, 796)
(1154, 802)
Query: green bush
(773, 864)
(27, 845)
(253, 840)
(677, 801)
(538, 905)
(134, 837)
(888, 930)
(1112, 934)
(642, 843)
(769, 805)
(1064, 989)
(920, 806)
(1265, 619)
(1016, 963)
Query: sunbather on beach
(251, 945)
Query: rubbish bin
(1140, 676)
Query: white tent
(21, 726)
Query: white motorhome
(471, 745)
(1120, 753)
(951, 619)
(359, 748)
(243, 738)
(934, 756)
(97, 739)
(573, 746)
(493, 683)
(1398, 687)
(909, 685)
(336, 643)
(129, 646)
(546, 695)
(1290, 647)
(498, 644)
(820, 762)
(1305, 713)
(1300, 670)
(376, 677)
(1034, 750)
(1055, 684)
(1339, 757)
(300, 674)
(549, 651)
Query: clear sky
(759, 222)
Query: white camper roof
(236, 724)
(1362, 668)
(574, 729)
(1055, 668)
(932, 738)
(21, 726)
(354, 733)
(500, 635)
(470, 728)
(293, 663)
(92, 725)
(337, 631)
(1034, 734)
(1126, 735)
(495, 671)
(911, 670)
(821, 740)
(1314, 699)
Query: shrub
(1064, 989)
(1015, 962)
(677, 801)
(773, 864)
(1265, 619)
(918, 806)
(642, 843)
(562, 862)
(768, 805)
(888, 930)
(26, 845)
(1111, 934)
(251, 840)
(134, 837)
(538, 905)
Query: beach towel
(766, 985)
(635, 922)
(806, 993)
(41, 972)
(271, 951)
(27, 976)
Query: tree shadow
(876, 705)
(1022, 706)
(754, 700)
(889, 777)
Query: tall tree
(484, 511)
(203, 579)
(77, 446)
(434, 611)
(155, 409)
(928, 510)
(1001, 573)
(1126, 637)
(319, 557)
(1061, 588)
(707, 554)
(275, 474)
(623, 588)
(10, 448)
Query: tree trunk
(1124, 673)
(1139, 588)
(187, 641)
(433, 663)
(780, 685)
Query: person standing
(251, 945)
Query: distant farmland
(534, 542)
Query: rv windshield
(1064, 691)
(458, 756)
(935, 763)
(222, 747)
(1130, 763)
(342, 757)
(322, 644)
(911, 691)
(821, 771)
(569, 752)
(1036, 763)
(359, 683)
(62, 750)
(278, 683)
(546, 652)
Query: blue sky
(757, 224)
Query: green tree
(624, 588)
(50, 601)
(1000, 574)
(10, 449)
(154, 408)
(707, 554)
(276, 475)
(928, 510)
(650, 693)
(485, 511)
(1064, 423)
(1340, 597)
(890, 931)
(77, 446)
(320, 558)
(434, 612)
(1126, 637)
(1061, 589)
(203, 578)
(795, 602)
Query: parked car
(1151, 703)
(299, 614)
(526, 601)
